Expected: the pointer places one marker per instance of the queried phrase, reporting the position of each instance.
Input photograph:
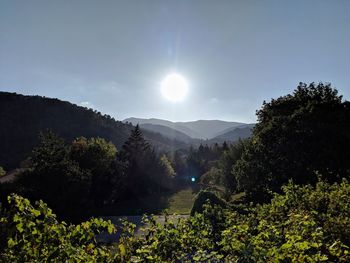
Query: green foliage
(107, 173)
(167, 166)
(84, 177)
(147, 173)
(227, 160)
(73, 178)
(212, 177)
(296, 137)
(33, 234)
(206, 197)
(56, 178)
(95, 154)
(304, 224)
(200, 161)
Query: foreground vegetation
(304, 224)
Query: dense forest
(291, 176)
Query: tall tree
(142, 163)
(297, 137)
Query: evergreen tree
(135, 146)
(141, 159)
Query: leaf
(19, 227)
(11, 243)
(110, 229)
(122, 250)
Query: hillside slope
(241, 132)
(208, 129)
(22, 118)
(169, 133)
(166, 123)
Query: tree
(178, 163)
(107, 173)
(56, 178)
(297, 137)
(73, 178)
(229, 158)
(142, 163)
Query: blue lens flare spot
(193, 179)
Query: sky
(112, 55)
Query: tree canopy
(298, 136)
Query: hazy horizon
(113, 55)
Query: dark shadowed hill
(22, 118)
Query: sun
(174, 87)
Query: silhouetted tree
(297, 137)
(56, 178)
(107, 173)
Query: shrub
(304, 224)
(206, 197)
(33, 234)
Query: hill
(200, 129)
(169, 133)
(169, 124)
(241, 132)
(23, 117)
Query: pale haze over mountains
(200, 129)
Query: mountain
(241, 132)
(169, 124)
(228, 130)
(22, 118)
(169, 133)
(208, 129)
(201, 129)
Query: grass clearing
(179, 202)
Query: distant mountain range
(210, 131)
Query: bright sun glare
(174, 87)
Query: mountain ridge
(199, 129)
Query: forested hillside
(22, 118)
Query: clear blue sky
(112, 55)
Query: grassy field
(179, 202)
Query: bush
(304, 224)
(206, 197)
(33, 234)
